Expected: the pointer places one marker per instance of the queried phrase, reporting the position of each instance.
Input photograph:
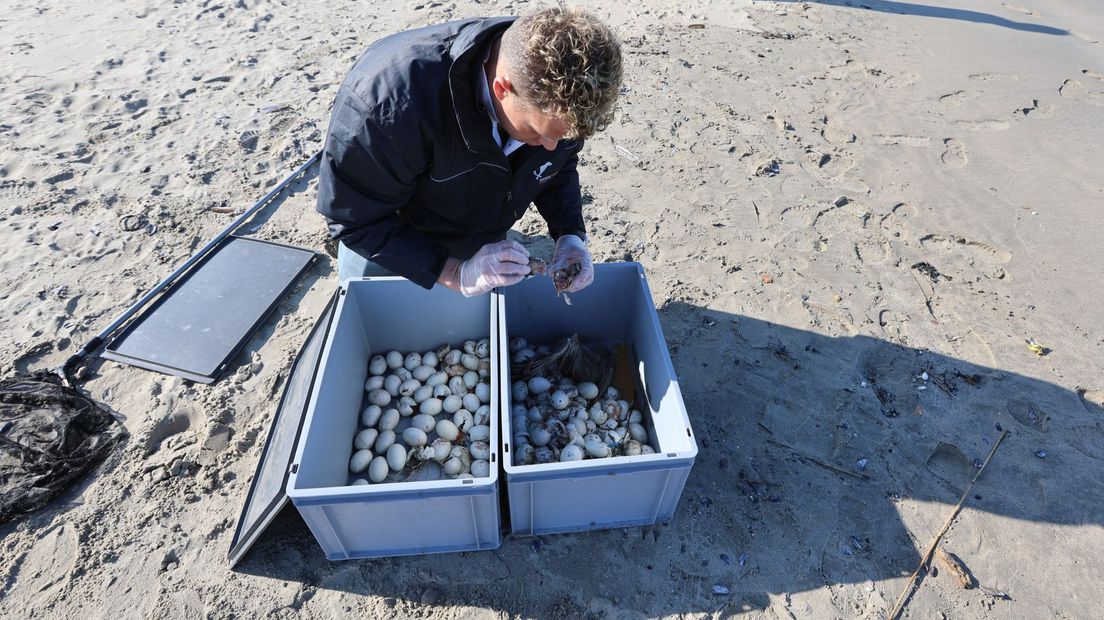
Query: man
(441, 137)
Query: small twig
(817, 461)
(955, 567)
(935, 542)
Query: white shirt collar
(511, 144)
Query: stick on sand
(935, 542)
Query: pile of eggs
(554, 419)
(427, 416)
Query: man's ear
(501, 86)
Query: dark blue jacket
(410, 172)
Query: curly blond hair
(567, 63)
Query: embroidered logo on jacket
(539, 173)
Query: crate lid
(268, 490)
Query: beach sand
(853, 217)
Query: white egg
(571, 452)
(379, 398)
(403, 374)
(396, 457)
(538, 385)
(430, 406)
(414, 437)
(358, 482)
(438, 378)
(470, 402)
(412, 361)
(453, 357)
(524, 454)
(596, 447)
(540, 435)
(522, 356)
(636, 416)
(543, 455)
(447, 430)
(373, 383)
(421, 373)
(424, 422)
(384, 441)
(365, 439)
(479, 433)
(519, 391)
(612, 393)
(422, 393)
(469, 361)
(406, 406)
(483, 392)
(452, 404)
(646, 449)
(480, 469)
(483, 414)
(441, 391)
(377, 365)
(429, 359)
(471, 379)
(480, 450)
(389, 420)
(463, 420)
(407, 388)
(371, 415)
(457, 385)
(441, 449)
(632, 448)
(535, 414)
(560, 400)
(588, 390)
(377, 471)
(394, 360)
(469, 346)
(483, 348)
(392, 384)
(360, 461)
(638, 433)
(452, 466)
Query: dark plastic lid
(268, 491)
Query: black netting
(50, 435)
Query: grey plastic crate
(600, 493)
(377, 315)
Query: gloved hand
(495, 264)
(571, 249)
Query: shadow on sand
(925, 10)
(759, 518)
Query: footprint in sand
(181, 421)
(1076, 91)
(951, 464)
(1028, 415)
(1088, 440)
(972, 250)
(897, 218)
(957, 98)
(1093, 74)
(954, 153)
(1091, 400)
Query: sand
(853, 217)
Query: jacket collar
(466, 53)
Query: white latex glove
(495, 264)
(571, 249)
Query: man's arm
(370, 166)
(560, 203)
